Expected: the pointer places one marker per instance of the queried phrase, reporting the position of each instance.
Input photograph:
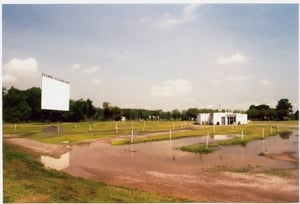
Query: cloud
(266, 82)
(9, 79)
(171, 88)
(188, 14)
(96, 81)
(92, 69)
(127, 56)
(233, 59)
(231, 78)
(88, 70)
(75, 66)
(21, 73)
(235, 79)
(19, 68)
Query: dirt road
(38, 147)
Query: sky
(156, 56)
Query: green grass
(26, 180)
(279, 173)
(78, 132)
(198, 148)
(250, 169)
(245, 169)
(253, 131)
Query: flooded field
(165, 155)
(162, 167)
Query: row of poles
(170, 131)
(242, 134)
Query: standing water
(164, 156)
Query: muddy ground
(38, 147)
(206, 185)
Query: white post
(242, 135)
(90, 127)
(15, 126)
(131, 135)
(170, 133)
(263, 133)
(206, 141)
(116, 128)
(271, 131)
(58, 128)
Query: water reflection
(56, 163)
(285, 135)
(164, 156)
(223, 137)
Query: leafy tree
(252, 113)
(111, 112)
(284, 108)
(91, 110)
(34, 101)
(296, 115)
(15, 106)
(191, 113)
(176, 114)
(116, 113)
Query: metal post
(242, 135)
(131, 135)
(271, 131)
(207, 141)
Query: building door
(223, 120)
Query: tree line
(282, 111)
(25, 105)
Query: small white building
(222, 118)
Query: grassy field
(250, 132)
(25, 180)
(78, 132)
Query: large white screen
(55, 93)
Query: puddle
(56, 163)
(162, 156)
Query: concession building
(222, 118)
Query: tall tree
(284, 108)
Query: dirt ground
(205, 186)
(209, 186)
(38, 147)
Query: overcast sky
(156, 56)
